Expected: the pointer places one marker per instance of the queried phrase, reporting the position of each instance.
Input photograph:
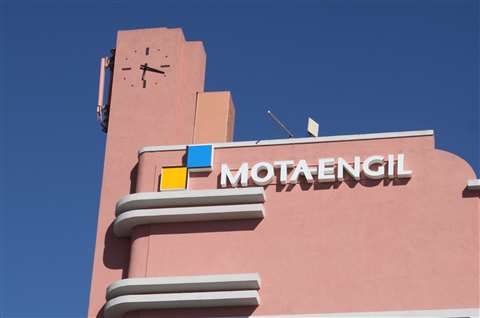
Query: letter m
(241, 175)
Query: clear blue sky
(355, 66)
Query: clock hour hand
(145, 67)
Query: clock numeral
(144, 83)
(147, 51)
(126, 68)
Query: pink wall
(351, 246)
(161, 113)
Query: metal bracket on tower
(103, 109)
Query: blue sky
(354, 66)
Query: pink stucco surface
(338, 247)
(161, 113)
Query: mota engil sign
(262, 173)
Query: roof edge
(289, 141)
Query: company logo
(199, 158)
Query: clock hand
(145, 67)
(148, 68)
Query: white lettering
(301, 169)
(374, 174)
(391, 167)
(283, 165)
(242, 175)
(354, 171)
(401, 172)
(326, 170)
(262, 166)
(263, 173)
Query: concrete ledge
(176, 284)
(147, 200)
(428, 313)
(473, 184)
(125, 222)
(119, 306)
(289, 141)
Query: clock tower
(156, 98)
(157, 75)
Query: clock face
(146, 67)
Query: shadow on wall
(133, 179)
(351, 183)
(199, 174)
(100, 313)
(467, 193)
(204, 227)
(244, 311)
(116, 252)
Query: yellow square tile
(174, 178)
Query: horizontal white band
(176, 284)
(148, 200)
(119, 306)
(473, 184)
(125, 222)
(429, 313)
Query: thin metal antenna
(279, 123)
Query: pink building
(366, 225)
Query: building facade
(193, 224)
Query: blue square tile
(200, 157)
